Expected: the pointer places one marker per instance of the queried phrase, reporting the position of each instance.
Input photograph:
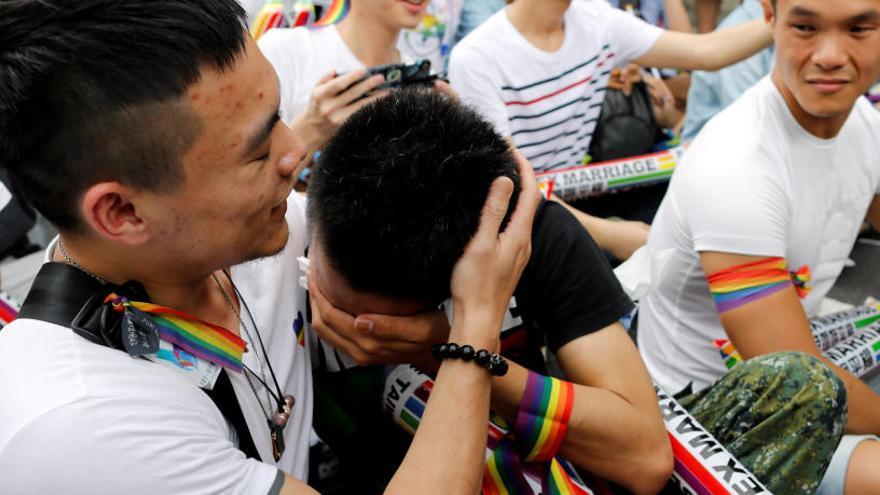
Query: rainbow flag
(729, 354)
(270, 16)
(337, 11)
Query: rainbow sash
(739, 285)
(198, 337)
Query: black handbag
(627, 126)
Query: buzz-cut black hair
(90, 91)
(398, 191)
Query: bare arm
(676, 16)
(711, 51)
(615, 430)
(707, 14)
(620, 238)
(778, 323)
(874, 212)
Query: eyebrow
(802, 12)
(258, 138)
(868, 16)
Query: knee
(805, 386)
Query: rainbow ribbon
(739, 285)
(198, 337)
(334, 13)
(270, 16)
(536, 439)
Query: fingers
(425, 329)
(494, 210)
(337, 84)
(359, 89)
(340, 330)
(444, 87)
(529, 196)
(329, 313)
(326, 78)
(345, 112)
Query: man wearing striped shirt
(538, 70)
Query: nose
(295, 152)
(830, 54)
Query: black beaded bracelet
(494, 363)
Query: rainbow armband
(742, 284)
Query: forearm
(448, 451)
(863, 403)
(606, 434)
(727, 46)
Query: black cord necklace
(284, 402)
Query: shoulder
(483, 39)
(46, 368)
(745, 137)
(591, 10)
(867, 115)
(140, 445)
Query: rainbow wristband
(543, 417)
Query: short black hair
(91, 91)
(398, 191)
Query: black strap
(223, 396)
(66, 296)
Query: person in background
(322, 69)
(760, 218)
(712, 92)
(474, 13)
(538, 70)
(707, 12)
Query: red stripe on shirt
(558, 91)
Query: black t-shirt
(566, 291)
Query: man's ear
(769, 12)
(109, 211)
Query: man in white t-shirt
(321, 68)
(788, 172)
(539, 70)
(148, 133)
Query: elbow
(662, 464)
(654, 471)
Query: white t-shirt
(435, 35)
(754, 182)
(549, 102)
(301, 56)
(76, 417)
